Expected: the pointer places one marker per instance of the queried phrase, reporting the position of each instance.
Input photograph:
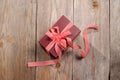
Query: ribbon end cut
(30, 64)
(93, 26)
(43, 63)
(33, 64)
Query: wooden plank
(96, 65)
(17, 39)
(48, 12)
(115, 39)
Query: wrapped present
(59, 37)
(62, 26)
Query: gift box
(63, 25)
(59, 37)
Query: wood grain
(17, 39)
(24, 22)
(115, 39)
(96, 65)
(48, 12)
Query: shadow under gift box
(61, 23)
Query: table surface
(24, 22)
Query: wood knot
(57, 65)
(10, 40)
(4, 39)
(95, 4)
(1, 43)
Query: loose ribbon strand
(86, 40)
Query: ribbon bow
(60, 40)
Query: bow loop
(63, 44)
(65, 34)
(55, 30)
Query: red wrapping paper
(61, 23)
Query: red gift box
(62, 23)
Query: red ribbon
(60, 40)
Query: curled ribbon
(61, 40)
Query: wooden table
(24, 22)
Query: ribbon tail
(86, 40)
(50, 62)
(58, 51)
(70, 43)
(43, 63)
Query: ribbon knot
(57, 38)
